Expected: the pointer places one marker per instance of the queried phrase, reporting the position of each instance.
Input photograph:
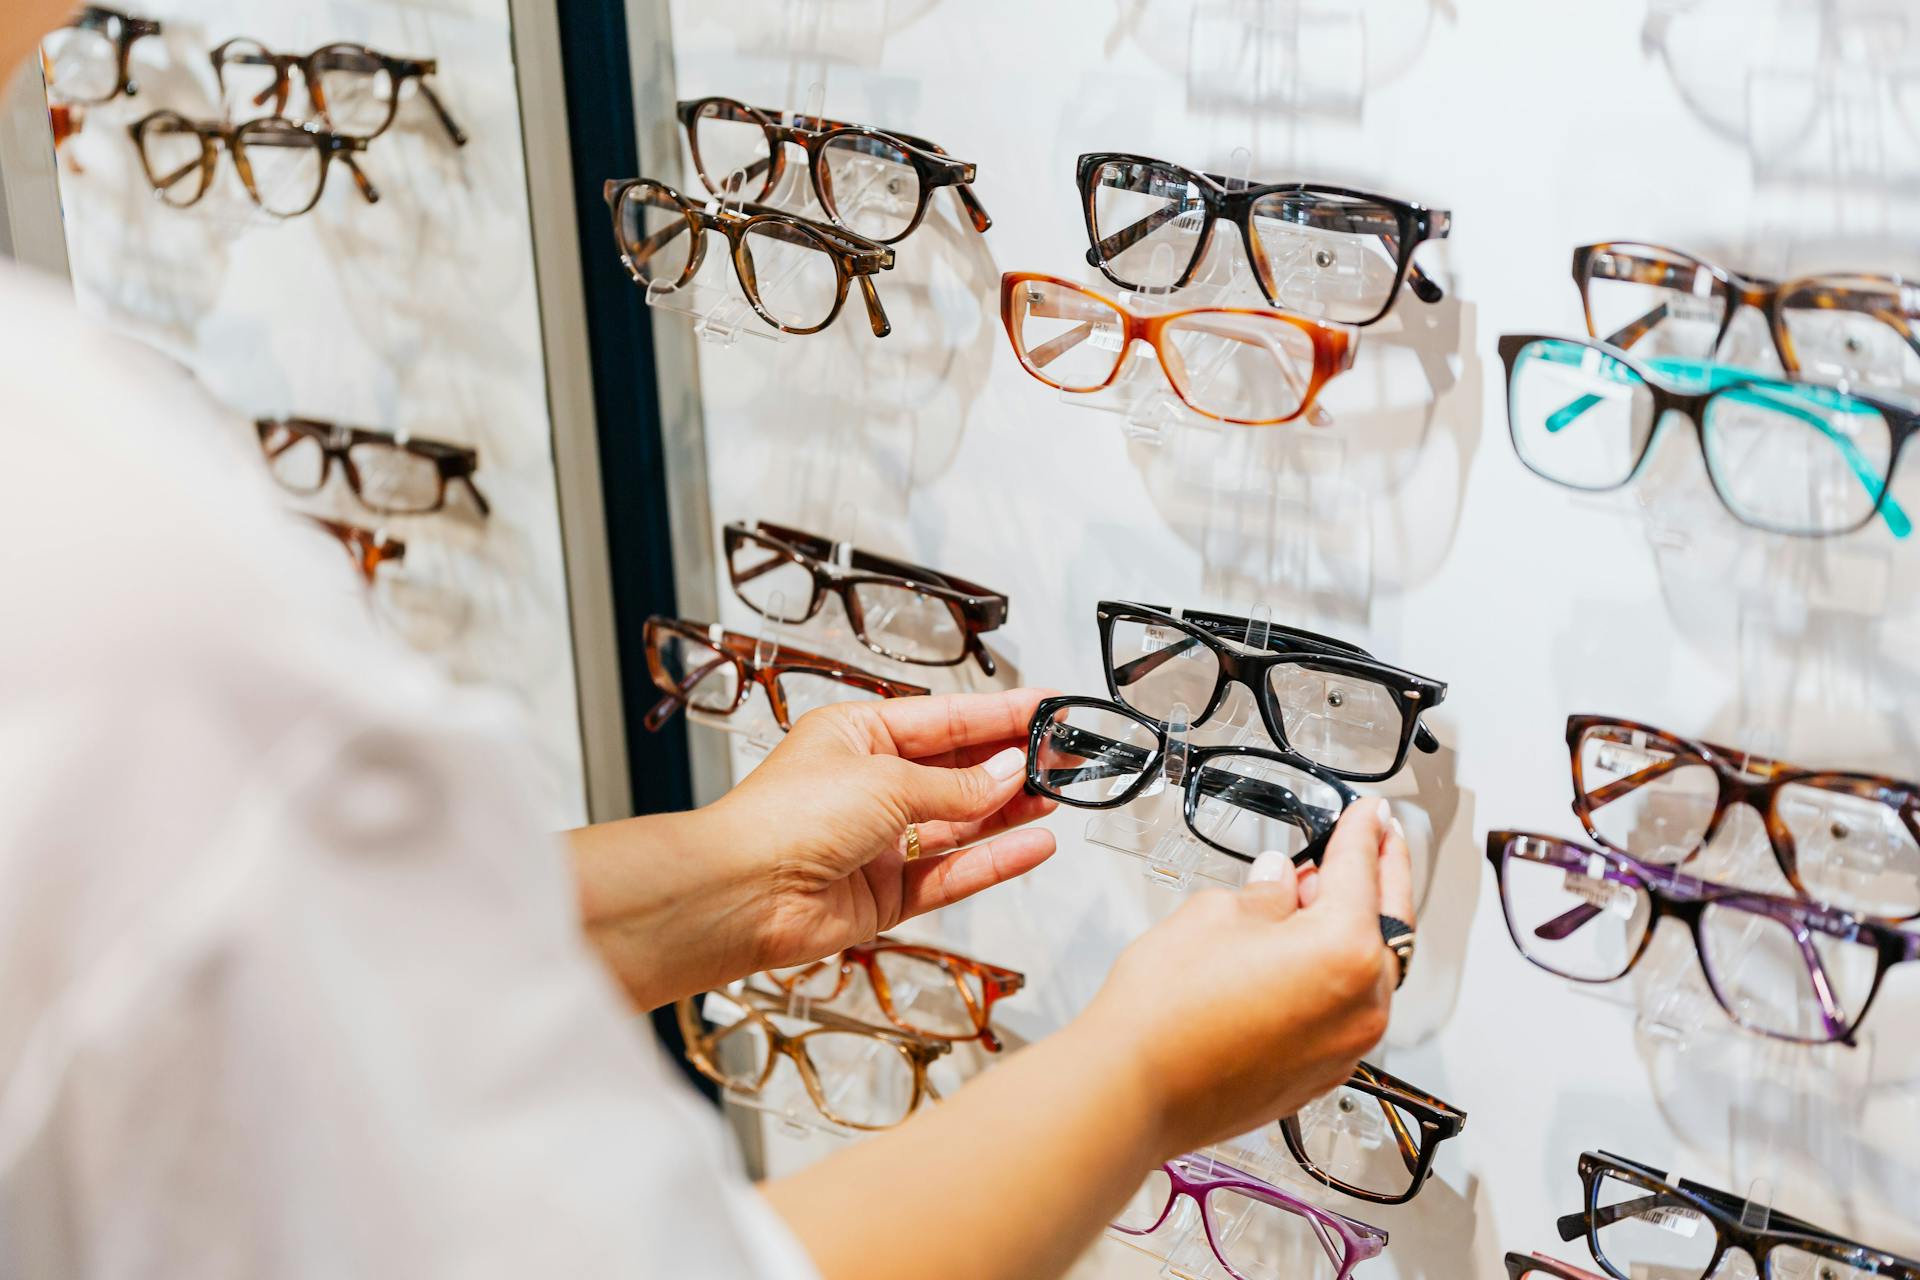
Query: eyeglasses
(1326, 252)
(1322, 700)
(925, 990)
(1374, 1137)
(713, 670)
(1850, 840)
(390, 474)
(874, 182)
(1095, 754)
(1639, 1222)
(1853, 326)
(367, 548)
(1785, 457)
(354, 89)
(794, 271)
(1255, 1229)
(899, 610)
(1522, 1265)
(283, 165)
(1236, 364)
(858, 1076)
(1782, 967)
(87, 61)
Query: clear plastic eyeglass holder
(784, 1099)
(1141, 395)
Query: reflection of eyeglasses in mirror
(354, 90)
(874, 182)
(282, 165)
(86, 61)
(390, 474)
(367, 548)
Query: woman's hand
(808, 853)
(1242, 1007)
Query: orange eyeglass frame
(1333, 348)
(995, 982)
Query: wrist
(1107, 1043)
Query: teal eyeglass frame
(1687, 386)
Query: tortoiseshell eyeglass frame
(995, 983)
(1685, 898)
(453, 463)
(744, 654)
(1413, 694)
(813, 134)
(312, 66)
(1521, 1265)
(367, 548)
(1727, 1214)
(701, 1041)
(1437, 1122)
(1669, 396)
(1888, 299)
(854, 258)
(1745, 779)
(268, 131)
(1333, 348)
(1226, 199)
(975, 609)
(124, 30)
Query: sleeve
(289, 983)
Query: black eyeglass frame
(1287, 807)
(1727, 1214)
(1285, 646)
(1227, 199)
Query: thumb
(1272, 888)
(936, 793)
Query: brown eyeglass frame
(743, 653)
(975, 609)
(1333, 348)
(1656, 266)
(399, 71)
(995, 983)
(453, 463)
(236, 139)
(1438, 1121)
(367, 548)
(1745, 779)
(919, 1051)
(124, 30)
(812, 134)
(854, 257)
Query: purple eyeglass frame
(1348, 1242)
(1673, 893)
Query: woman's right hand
(1243, 1006)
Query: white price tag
(1682, 1222)
(1601, 894)
(1105, 337)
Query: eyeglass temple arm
(1126, 237)
(447, 122)
(1115, 759)
(370, 192)
(976, 211)
(773, 1002)
(876, 314)
(1737, 1207)
(663, 710)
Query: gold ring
(913, 842)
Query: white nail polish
(1383, 811)
(1269, 866)
(1005, 765)
(1393, 825)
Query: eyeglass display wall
(321, 211)
(1767, 139)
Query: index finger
(924, 727)
(1350, 871)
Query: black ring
(1399, 937)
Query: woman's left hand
(808, 854)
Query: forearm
(1014, 1176)
(667, 903)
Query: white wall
(1409, 525)
(417, 314)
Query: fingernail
(1269, 866)
(1400, 832)
(1008, 763)
(1383, 811)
